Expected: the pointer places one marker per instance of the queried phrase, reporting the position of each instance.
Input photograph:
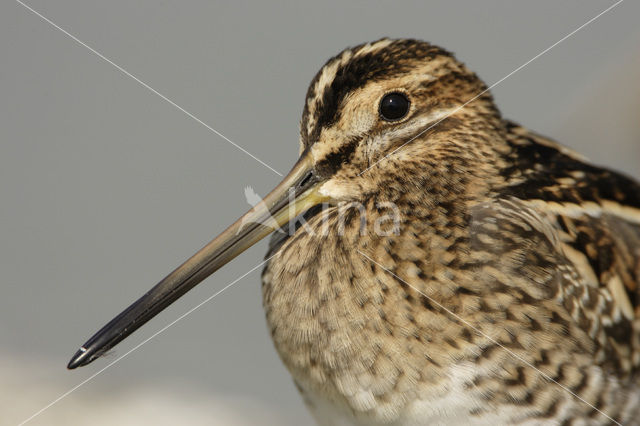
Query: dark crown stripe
(361, 69)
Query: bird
(436, 263)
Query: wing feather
(594, 214)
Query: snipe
(448, 266)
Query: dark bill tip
(80, 358)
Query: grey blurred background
(105, 187)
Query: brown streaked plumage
(516, 235)
(446, 267)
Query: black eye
(394, 106)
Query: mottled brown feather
(509, 291)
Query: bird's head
(380, 119)
(385, 116)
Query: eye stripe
(351, 70)
(332, 162)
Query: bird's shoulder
(575, 227)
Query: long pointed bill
(295, 194)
